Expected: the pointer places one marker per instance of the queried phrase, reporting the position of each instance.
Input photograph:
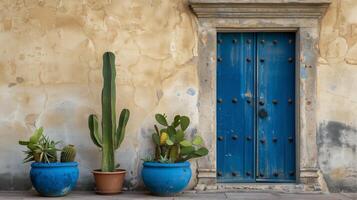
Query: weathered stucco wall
(50, 75)
(337, 96)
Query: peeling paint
(303, 73)
(191, 91)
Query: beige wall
(337, 96)
(50, 75)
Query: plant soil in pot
(169, 171)
(108, 179)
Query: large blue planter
(166, 179)
(54, 179)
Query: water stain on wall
(337, 143)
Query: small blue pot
(54, 179)
(166, 179)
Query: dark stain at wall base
(346, 185)
(333, 139)
(14, 182)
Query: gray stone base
(310, 181)
(251, 187)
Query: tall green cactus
(112, 136)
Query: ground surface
(187, 195)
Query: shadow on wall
(337, 153)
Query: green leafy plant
(46, 150)
(112, 136)
(171, 143)
(40, 148)
(34, 139)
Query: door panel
(255, 107)
(276, 95)
(235, 107)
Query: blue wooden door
(256, 107)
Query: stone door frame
(300, 16)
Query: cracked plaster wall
(50, 75)
(337, 96)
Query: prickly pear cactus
(68, 153)
(171, 145)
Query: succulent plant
(171, 146)
(46, 150)
(40, 148)
(34, 138)
(111, 136)
(68, 153)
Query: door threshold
(258, 187)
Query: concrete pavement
(4, 195)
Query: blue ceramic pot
(166, 179)
(54, 179)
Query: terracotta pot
(109, 182)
